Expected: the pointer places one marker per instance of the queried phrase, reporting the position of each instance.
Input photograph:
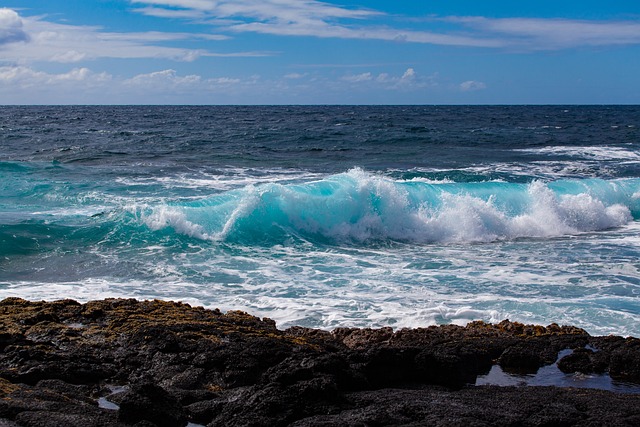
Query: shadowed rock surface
(122, 362)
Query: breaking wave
(360, 207)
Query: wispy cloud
(294, 76)
(313, 18)
(23, 84)
(309, 18)
(170, 81)
(165, 79)
(326, 30)
(55, 42)
(26, 85)
(409, 80)
(281, 10)
(550, 34)
(25, 77)
(355, 78)
(472, 85)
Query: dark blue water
(327, 216)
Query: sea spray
(360, 207)
(399, 216)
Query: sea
(330, 216)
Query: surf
(361, 207)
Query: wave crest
(359, 207)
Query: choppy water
(330, 216)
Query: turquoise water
(329, 216)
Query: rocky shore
(123, 362)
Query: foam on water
(360, 207)
(590, 280)
(222, 179)
(406, 216)
(589, 152)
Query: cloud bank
(26, 85)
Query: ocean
(328, 216)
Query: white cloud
(320, 19)
(11, 27)
(26, 85)
(356, 78)
(472, 85)
(326, 30)
(549, 34)
(224, 81)
(170, 13)
(285, 10)
(408, 75)
(383, 77)
(22, 84)
(164, 79)
(25, 77)
(65, 43)
(54, 42)
(299, 18)
(170, 82)
(410, 79)
(294, 76)
(186, 4)
(69, 56)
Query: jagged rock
(175, 363)
(151, 403)
(583, 360)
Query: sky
(319, 52)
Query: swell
(355, 207)
(33, 237)
(358, 207)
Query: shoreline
(124, 361)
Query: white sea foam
(413, 244)
(226, 179)
(592, 281)
(359, 206)
(165, 216)
(589, 152)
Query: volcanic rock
(171, 363)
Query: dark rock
(582, 360)
(479, 406)
(619, 356)
(204, 411)
(62, 419)
(174, 363)
(625, 364)
(522, 358)
(149, 402)
(44, 406)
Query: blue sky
(319, 52)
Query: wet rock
(624, 363)
(583, 360)
(619, 356)
(175, 363)
(151, 403)
(479, 406)
(521, 359)
(51, 404)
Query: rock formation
(120, 362)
